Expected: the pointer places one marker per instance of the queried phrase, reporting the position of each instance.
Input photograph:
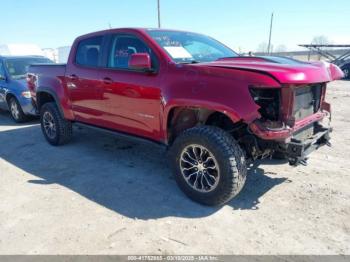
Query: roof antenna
(109, 25)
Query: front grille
(307, 101)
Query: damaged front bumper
(297, 151)
(283, 132)
(297, 142)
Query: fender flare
(51, 93)
(9, 93)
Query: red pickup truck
(215, 110)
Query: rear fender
(61, 101)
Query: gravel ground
(101, 195)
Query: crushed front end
(295, 120)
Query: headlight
(26, 94)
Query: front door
(132, 99)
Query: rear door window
(89, 52)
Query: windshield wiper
(226, 57)
(190, 62)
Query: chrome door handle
(73, 77)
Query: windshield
(18, 67)
(185, 47)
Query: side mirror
(140, 61)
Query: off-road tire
(230, 159)
(19, 117)
(64, 130)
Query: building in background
(58, 55)
(51, 53)
(62, 54)
(20, 49)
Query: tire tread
(65, 129)
(236, 169)
(22, 117)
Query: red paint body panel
(139, 103)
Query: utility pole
(158, 2)
(269, 46)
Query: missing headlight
(269, 101)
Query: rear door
(84, 80)
(3, 86)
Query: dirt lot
(100, 195)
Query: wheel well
(181, 119)
(43, 98)
(9, 96)
(220, 120)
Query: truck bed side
(48, 82)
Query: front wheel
(16, 111)
(209, 165)
(55, 128)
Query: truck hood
(284, 70)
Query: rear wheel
(16, 111)
(209, 166)
(55, 128)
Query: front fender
(209, 105)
